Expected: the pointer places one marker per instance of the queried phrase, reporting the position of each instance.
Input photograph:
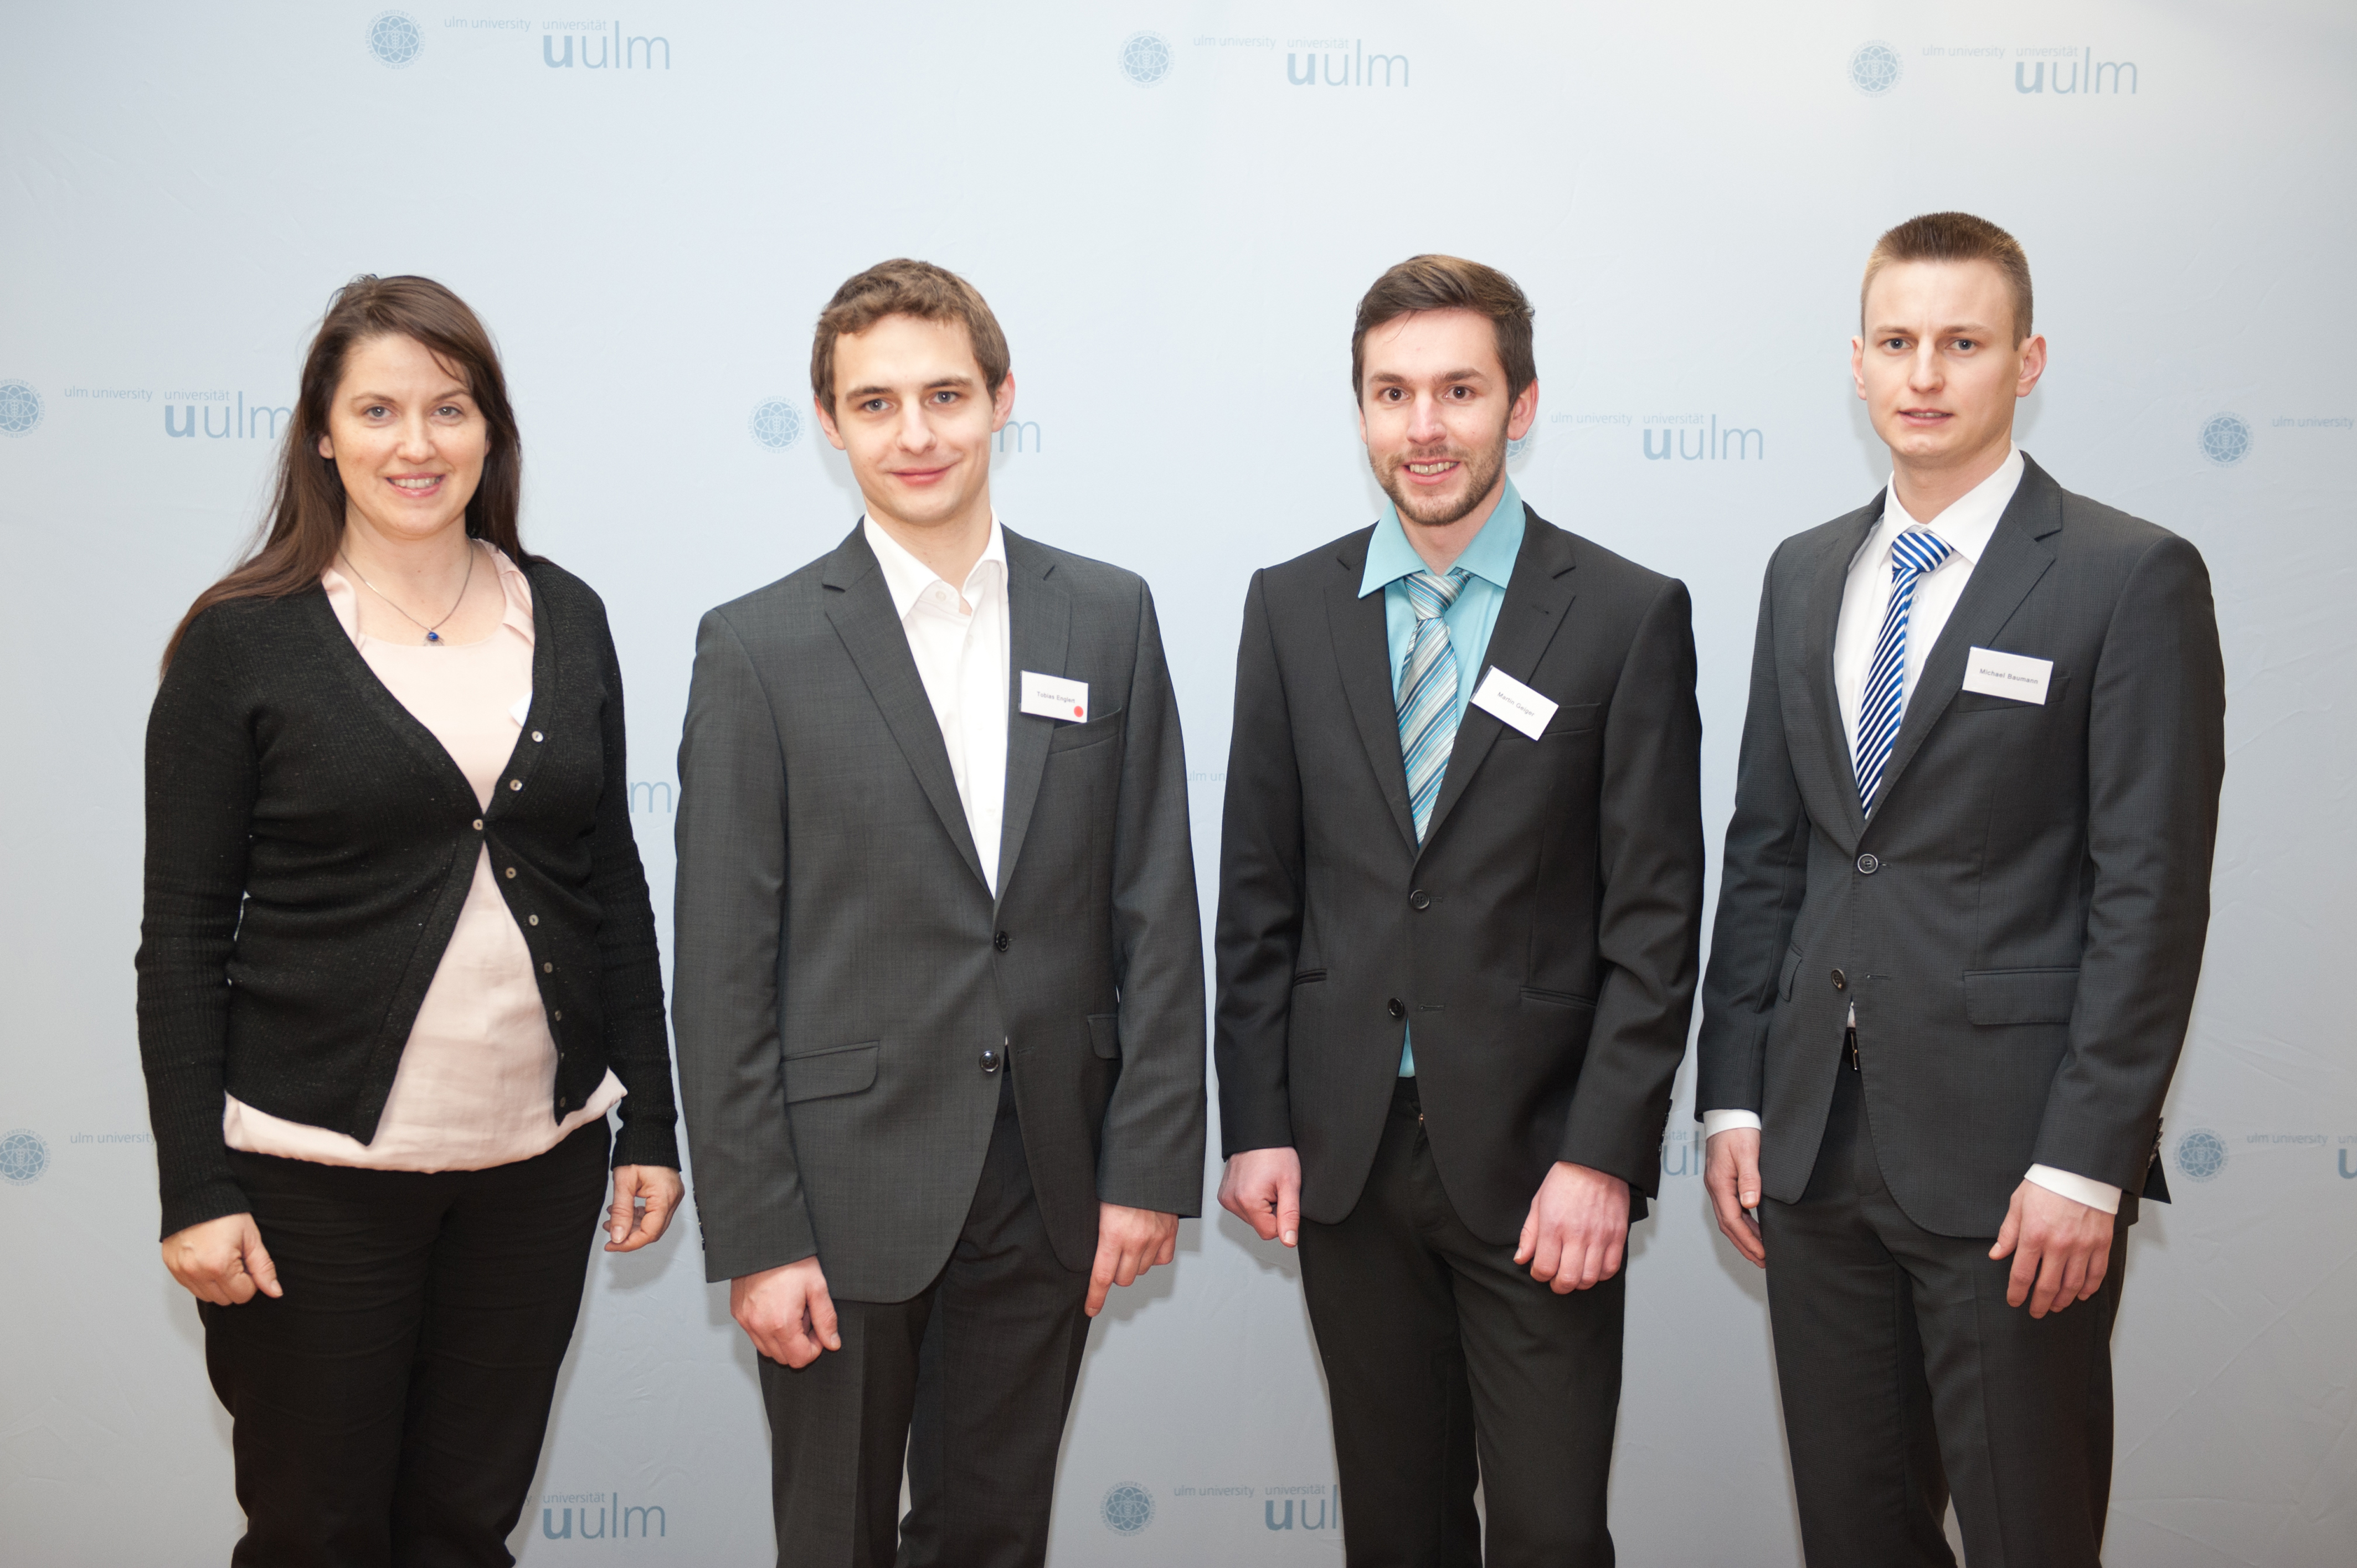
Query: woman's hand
(223, 1260)
(645, 1198)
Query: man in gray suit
(1961, 915)
(940, 990)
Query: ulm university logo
(601, 1517)
(2088, 76)
(396, 39)
(1700, 438)
(1342, 62)
(20, 408)
(238, 418)
(615, 52)
(23, 1155)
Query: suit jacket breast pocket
(1574, 718)
(1076, 737)
(1990, 703)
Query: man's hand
(1263, 1189)
(786, 1312)
(645, 1198)
(2061, 1249)
(221, 1260)
(1577, 1228)
(1730, 1173)
(1129, 1243)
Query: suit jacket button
(1395, 1008)
(1419, 899)
(1841, 980)
(1868, 865)
(989, 1059)
(1001, 941)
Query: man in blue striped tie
(1460, 897)
(1962, 914)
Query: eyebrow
(444, 395)
(1967, 328)
(1395, 379)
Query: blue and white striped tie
(1883, 703)
(1427, 690)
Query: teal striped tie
(1427, 690)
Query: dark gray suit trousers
(1908, 1379)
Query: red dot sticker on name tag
(1055, 697)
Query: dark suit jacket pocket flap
(837, 1069)
(1572, 717)
(1557, 998)
(2020, 995)
(1072, 737)
(1792, 968)
(1105, 1034)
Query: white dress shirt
(1965, 527)
(962, 644)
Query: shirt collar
(1490, 557)
(907, 577)
(1968, 523)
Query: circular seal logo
(1146, 58)
(1128, 1508)
(2226, 440)
(2200, 1153)
(20, 408)
(776, 423)
(1874, 68)
(1518, 450)
(25, 1155)
(396, 39)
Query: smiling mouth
(418, 484)
(1923, 414)
(1433, 469)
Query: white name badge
(1054, 697)
(2015, 676)
(1504, 698)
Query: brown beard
(1484, 467)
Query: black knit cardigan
(309, 846)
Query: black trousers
(1446, 1363)
(1906, 1377)
(389, 1408)
(969, 1380)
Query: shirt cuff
(1713, 1122)
(2077, 1189)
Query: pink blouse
(479, 1074)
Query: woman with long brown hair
(397, 961)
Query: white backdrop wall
(1173, 208)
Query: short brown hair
(1953, 237)
(1449, 283)
(903, 287)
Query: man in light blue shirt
(1463, 800)
(1488, 563)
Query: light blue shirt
(1488, 563)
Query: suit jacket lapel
(1039, 616)
(1537, 594)
(1364, 653)
(1820, 620)
(860, 606)
(2011, 565)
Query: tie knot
(1916, 552)
(1433, 592)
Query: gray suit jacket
(841, 965)
(1543, 936)
(2021, 922)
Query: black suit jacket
(1542, 941)
(2021, 922)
